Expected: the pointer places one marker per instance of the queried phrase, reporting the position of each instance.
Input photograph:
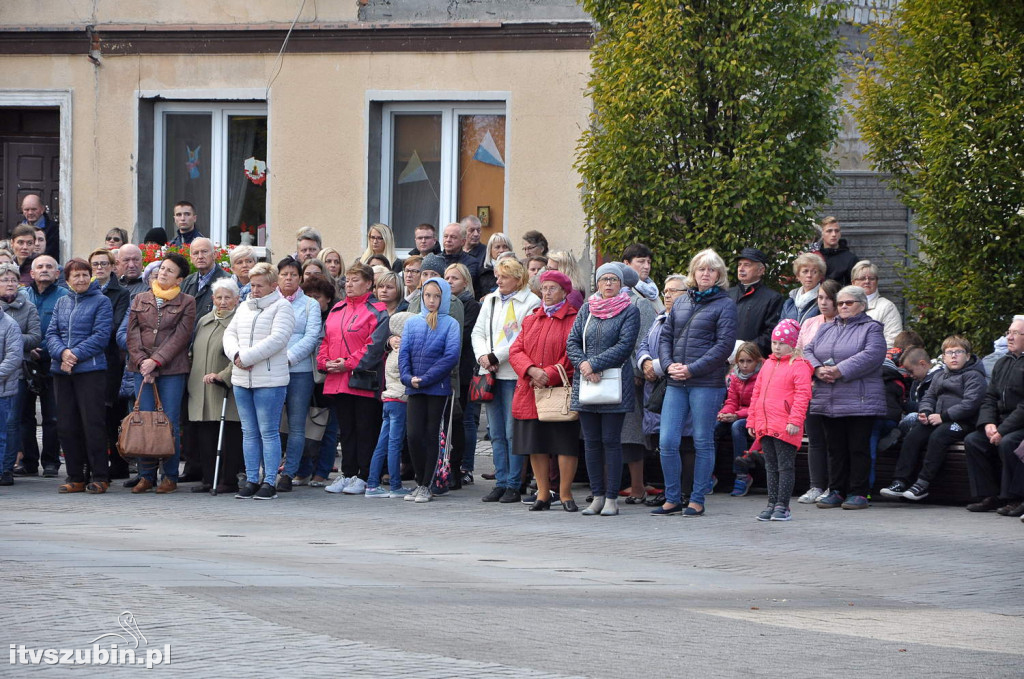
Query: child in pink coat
(776, 417)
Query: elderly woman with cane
(210, 396)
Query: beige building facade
(334, 122)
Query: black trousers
(422, 426)
(81, 418)
(933, 442)
(359, 420)
(30, 459)
(115, 412)
(205, 439)
(849, 453)
(995, 470)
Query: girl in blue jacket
(430, 349)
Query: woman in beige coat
(209, 383)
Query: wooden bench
(950, 488)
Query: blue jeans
(469, 425)
(602, 443)
(172, 389)
(260, 412)
(738, 435)
(701, 405)
(508, 468)
(389, 446)
(297, 401)
(13, 441)
(328, 451)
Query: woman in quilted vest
(540, 347)
(256, 341)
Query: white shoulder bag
(606, 392)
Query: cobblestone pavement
(317, 584)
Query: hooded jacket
(258, 334)
(956, 395)
(81, 322)
(781, 396)
(356, 330)
(394, 390)
(739, 394)
(857, 347)
(703, 344)
(430, 354)
(305, 336)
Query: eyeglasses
(608, 280)
(865, 279)
(9, 281)
(847, 302)
(412, 272)
(376, 237)
(672, 291)
(101, 265)
(954, 352)
(1014, 333)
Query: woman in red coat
(534, 354)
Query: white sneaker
(825, 493)
(411, 497)
(356, 486)
(811, 496)
(424, 495)
(338, 485)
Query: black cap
(754, 255)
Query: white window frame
(213, 225)
(450, 112)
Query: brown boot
(71, 487)
(166, 486)
(97, 487)
(142, 486)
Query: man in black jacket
(198, 284)
(34, 212)
(1000, 431)
(839, 259)
(426, 241)
(758, 307)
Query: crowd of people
(264, 369)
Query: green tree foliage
(942, 107)
(711, 127)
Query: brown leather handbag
(146, 435)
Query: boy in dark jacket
(946, 413)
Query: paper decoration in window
(488, 152)
(414, 171)
(255, 170)
(193, 162)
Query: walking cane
(220, 442)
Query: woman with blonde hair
(802, 303)
(501, 318)
(390, 291)
(496, 245)
(335, 266)
(379, 241)
(242, 258)
(694, 348)
(566, 263)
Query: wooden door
(29, 167)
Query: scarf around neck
(165, 295)
(648, 289)
(701, 296)
(553, 309)
(612, 306)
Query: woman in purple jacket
(847, 357)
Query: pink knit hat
(786, 331)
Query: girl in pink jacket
(777, 412)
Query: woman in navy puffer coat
(693, 350)
(847, 357)
(76, 340)
(430, 349)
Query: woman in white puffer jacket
(257, 342)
